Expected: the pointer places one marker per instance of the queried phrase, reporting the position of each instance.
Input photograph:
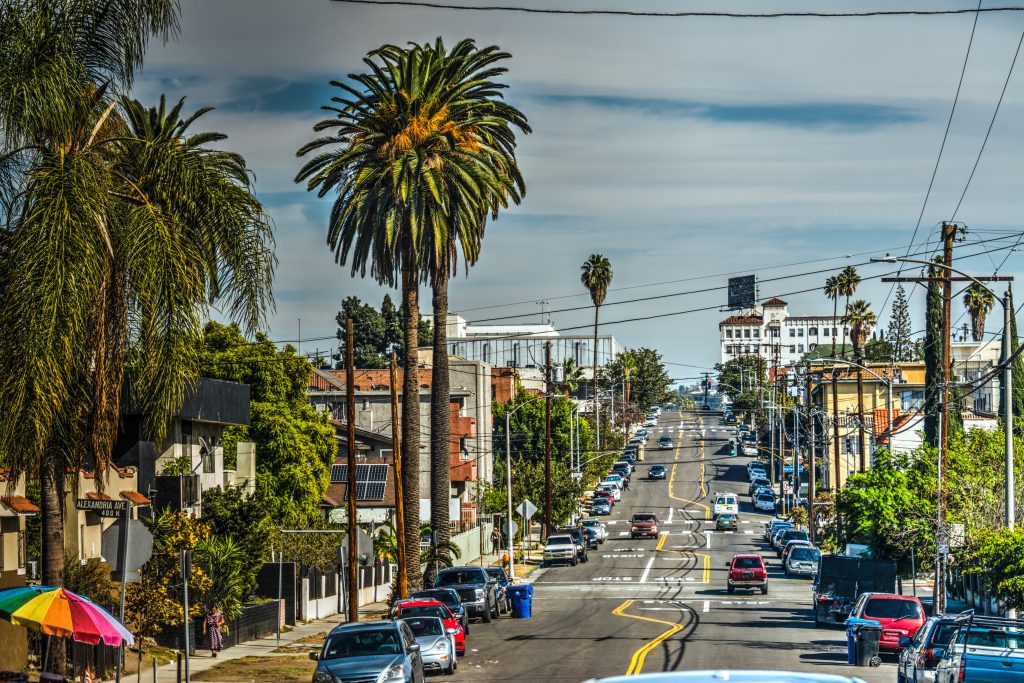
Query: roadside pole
(124, 583)
(547, 439)
(350, 408)
(403, 572)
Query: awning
(19, 505)
(135, 498)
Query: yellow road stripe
(636, 664)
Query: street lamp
(1007, 377)
(508, 482)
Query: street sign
(742, 292)
(140, 548)
(504, 528)
(526, 509)
(103, 508)
(364, 549)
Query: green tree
(572, 377)
(832, 291)
(899, 327)
(741, 379)
(848, 282)
(121, 227)
(295, 443)
(649, 380)
(376, 333)
(860, 319)
(233, 514)
(596, 276)
(997, 555)
(1018, 364)
(978, 301)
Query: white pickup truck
(983, 650)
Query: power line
(990, 124)
(694, 14)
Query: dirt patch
(280, 669)
(305, 644)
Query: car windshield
(425, 626)
(725, 501)
(642, 517)
(747, 563)
(727, 518)
(766, 497)
(887, 608)
(448, 597)
(1005, 640)
(657, 468)
(805, 553)
(454, 578)
(424, 611)
(361, 644)
(794, 535)
(559, 540)
(762, 482)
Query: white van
(725, 503)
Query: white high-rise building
(773, 334)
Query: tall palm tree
(419, 153)
(572, 377)
(860, 319)
(978, 301)
(629, 368)
(596, 276)
(120, 227)
(848, 283)
(467, 140)
(832, 292)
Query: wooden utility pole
(353, 529)
(810, 459)
(547, 438)
(403, 571)
(860, 421)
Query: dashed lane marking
(647, 571)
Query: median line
(636, 664)
(647, 570)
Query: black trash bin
(866, 640)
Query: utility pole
(547, 438)
(350, 408)
(707, 384)
(403, 571)
(810, 459)
(835, 428)
(860, 420)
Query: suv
(921, 653)
(369, 650)
(450, 598)
(578, 537)
(747, 571)
(477, 590)
(559, 548)
(781, 539)
(504, 599)
(643, 524)
(899, 615)
(802, 561)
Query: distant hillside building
(775, 335)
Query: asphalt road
(641, 606)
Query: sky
(686, 150)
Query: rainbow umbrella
(57, 612)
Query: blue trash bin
(522, 600)
(852, 628)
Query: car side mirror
(939, 652)
(314, 655)
(905, 641)
(452, 631)
(727, 564)
(415, 647)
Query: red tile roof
(96, 495)
(19, 505)
(742, 320)
(774, 301)
(135, 498)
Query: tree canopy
(377, 332)
(649, 381)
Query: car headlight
(323, 677)
(441, 645)
(395, 672)
(479, 592)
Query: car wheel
(731, 590)
(487, 614)
(465, 627)
(496, 611)
(764, 590)
(543, 564)
(452, 667)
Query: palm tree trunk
(52, 517)
(597, 412)
(978, 325)
(411, 425)
(844, 325)
(440, 418)
(835, 323)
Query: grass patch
(306, 643)
(280, 669)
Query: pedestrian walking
(495, 541)
(212, 629)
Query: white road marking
(623, 533)
(670, 511)
(707, 606)
(708, 534)
(647, 570)
(748, 532)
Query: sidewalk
(270, 646)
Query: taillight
(963, 667)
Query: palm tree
(596, 276)
(438, 553)
(419, 153)
(860, 319)
(572, 377)
(468, 143)
(848, 282)
(978, 301)
(832, 292)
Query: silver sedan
(437, 644)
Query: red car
(899, 615)
(747, 571)
(432, 608)
(606, 496)
(643, 524)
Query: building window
(757, 333)
(812, 332)
(728, 333)
(811, 347)
(800, 332)
(800, 348)
(487, 352)
(792, 348)
(776, 331)
(746, 349)
(463, 449)
(792, 332)
(834, 331)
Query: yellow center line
(636, 664)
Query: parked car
(922, 652)
(790, 546)
(605, 492)
(579, 538)
(650, 422)
(988, 649)
(600, 529)
(614, 491)
(437, 643)
(802, 561)
(727, 522)
(369, 650)
(591, 537)
(666, 443)
(643, 524)
(656, 472)
(416, 607)
(504, 599)
(757, 483)
(725, 503)
(749, 450)
(899, 615)
(601, 506)
(773, 525)
(784, 537)
(616, 479)
(450, 598)
(747, 571)
(477, 590)
(756, 473)
(765, 501)
(559, 549)
(623, 470)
